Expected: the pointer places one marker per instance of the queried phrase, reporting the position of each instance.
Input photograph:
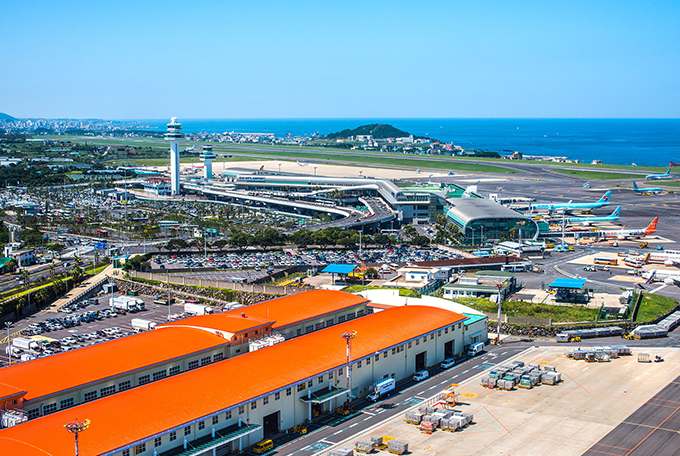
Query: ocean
(646, 142)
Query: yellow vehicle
(550, 246)
(300, 429)
(643, 245)
(263, 446)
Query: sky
(343, 59)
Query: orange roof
(190, 335)
(299, 307)
(63, 371)
(170, 403)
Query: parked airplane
(665, 175)
(668, 277)
(189, 149)
(625, 234)
(588, 220)
(647, 190)
(604, 201)
(667, 257)
(301, 163)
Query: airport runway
(654, 428)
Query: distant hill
(4, 116)
(378, 131)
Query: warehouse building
(227, 406)
(170, 349)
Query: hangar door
(421, 361)
(449, 349)
(270, 424)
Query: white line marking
(369, 413)
(352, 425)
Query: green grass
(598, 175)
(558, 314)
(402, 291)
(653, 305)
(166, 162)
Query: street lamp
(75, 427)
(9, 342)
(315, 170)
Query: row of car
(59, 323)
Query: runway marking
(419, 398)
(369, 413)
(654, 430)
(352, 425)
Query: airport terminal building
(226, 404)
(480, 220)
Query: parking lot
(86, 325)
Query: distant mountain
(378, 131)
(4, 116)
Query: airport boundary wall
(493, 316)
(223, 284)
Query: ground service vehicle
(139, 324)
(380, 388)
(421, 375)
(263, 446)
(476, 349)
(605, 260)
(197, 309)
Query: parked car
(421, 375)
(448, 363)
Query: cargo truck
(476, 349)
(127, 303)
(139, 324)
(27, 344)
(197, 309)
(380, 388)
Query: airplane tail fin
(605, 197)
(651, 229)
(617, 212)
(635, 187)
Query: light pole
(500, 195)
(348, 336)
(315, 170)
(9, 342)
(75, 427)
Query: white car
(448, 363)
(421, 375)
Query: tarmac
(621, 407)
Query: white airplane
(665, 175)
(588, 220)
(667, 257)
(668, 277)
(625, 234)
(189, 149)
(301, 163)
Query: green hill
(4, 116)
(378, 131)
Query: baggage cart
(397, 447)
(364, 446)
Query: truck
(27, 344)
(139, 324)
(476, 349)
(197, 309)
(127, 303)
(380, 388)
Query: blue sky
(370, 59)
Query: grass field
(558, 314)
(653, 305)
(598, 175)
(166, 162)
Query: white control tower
(174, 135)
(208, 157)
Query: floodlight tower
(75, 427)
(208, 158)
(174, 135)
(348, 336)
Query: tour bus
(605, 260)
(634, 262)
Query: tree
(371, 273)
(410, 231)
(176, 245)
(12, 265)
(25, 277)
(77, 273)
(421, 240)
(220, 243)
(56, 247)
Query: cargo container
(342, 452)
(364, 446)
(397, 447)
(644, 358)
(413, 417)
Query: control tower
(208, 157)
(174, 135)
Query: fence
(249, 288)
(493, 316)
(89, 291)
